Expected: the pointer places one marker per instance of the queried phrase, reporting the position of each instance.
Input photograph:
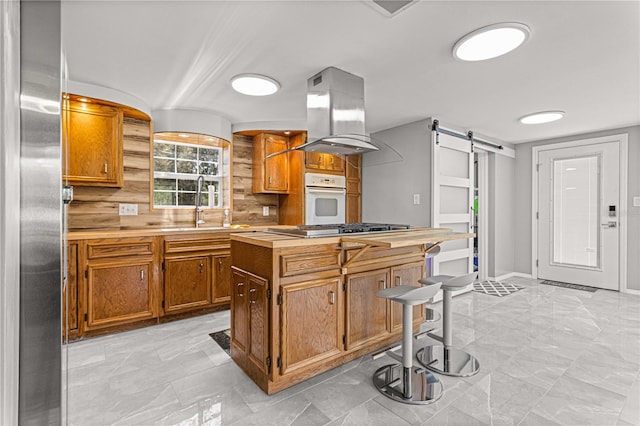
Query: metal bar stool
(445, 359)
(404, 382)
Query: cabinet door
(366, 312)
(276, 169)
(221, 278)
(94, 144)
(353, 206)
(406, 275)
(334, 163)
(258, 322)
(311, 315)
(314, 160)
(119, 292)
(70, 298)
(239, 313)
(187, 283)
(354, 193)
(323, 161)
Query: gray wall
(388, 183)
(523, 201)
(502, 223)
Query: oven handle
(313, 190)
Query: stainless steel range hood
(335, 114)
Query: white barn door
(452, 201)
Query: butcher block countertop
(406, 238)
(151, 232)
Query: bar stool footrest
(449, 361)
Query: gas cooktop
(311, 231)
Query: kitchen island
(301, 306)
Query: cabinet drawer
(305, 263)
(197, 244)
(117, 247)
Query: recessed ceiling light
(254, 84)
(542, 117)
(491, 41)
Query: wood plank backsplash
(96, 208)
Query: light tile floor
(548, 356)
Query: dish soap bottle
(226, 223)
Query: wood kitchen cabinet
(197, 272)
(408, 274)
(250, 319)
(71, 326)
(324, 162)
(187, 283)
(121, 282)
(367, 313)
(93, 147)
(353, 176)
(312, 323)
(270, 175)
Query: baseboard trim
(631, 291)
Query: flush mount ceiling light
(491, 41)
(254, 84)
(542, 117)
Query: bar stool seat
(431, 315)
(445, 359)
(404, 382)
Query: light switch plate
(265, 210)
(416, 199)
(636, 201)
(128, 209)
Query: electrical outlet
(416, 199)
(265, 210)
(636, 201)
(128, 209)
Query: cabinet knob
(142, 274)
(106, 167)
(252, 293)
(238, 293)
(219, 265)
(269, 180)
(201, 267)
(332, 298)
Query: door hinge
(86, 273)
(269, 361)
(278, 362)
(537, 262)
(163, 265)
(163, 304)
(268, 293)
(279, 299)
(86, 317)
(344, 286)
(344, 339)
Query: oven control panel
(324, 180)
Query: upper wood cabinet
(270, 175)
(324, 162)
(92, 147)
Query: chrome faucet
(199, 211)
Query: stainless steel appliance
(311, 231)
(325, 199)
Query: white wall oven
(325, 199)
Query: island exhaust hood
(335, 114)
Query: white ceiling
(581, 57)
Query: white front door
(578, 210)
(452, 202)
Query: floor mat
(222, 339)
(569, 285)
(495, 288)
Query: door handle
(252, 291)
(238, 293)
(332, 298)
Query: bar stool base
(449, 361)
(426, 388)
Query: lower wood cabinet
(312, 325)
(71, 324)
(187, 283)
(405, 275)
(119, 292)
(222, 278)
(249, 319)
(366, 313)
